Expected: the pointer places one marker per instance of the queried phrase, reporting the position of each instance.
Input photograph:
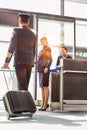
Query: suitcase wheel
(30, 115)
(11, 116)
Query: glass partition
(52, 30)
(76, 9)
(57, 32)
(81, 39)
(42, 6)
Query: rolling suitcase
(18, 103)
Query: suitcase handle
(3, 70)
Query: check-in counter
(69, 86)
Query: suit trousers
(23, 73)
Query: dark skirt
(44, 79)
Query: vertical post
(61, 85)
(35, 66)
(62, 7)
(62, 22)
(74, 46)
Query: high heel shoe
(44, 109)
(47, 105)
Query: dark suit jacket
(23, 43)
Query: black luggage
(18, 103)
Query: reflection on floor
(45, 119)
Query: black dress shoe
(47, 105)
(43, 109)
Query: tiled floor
(45, 120)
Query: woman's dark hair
(65, 48)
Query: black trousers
(23, 73)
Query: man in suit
(22, 45)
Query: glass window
(53, 30)
(81, 40)
(5, 33)
(56, 32)
(75, 9)
(50, 29)
(42, 6)
(5, 36)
